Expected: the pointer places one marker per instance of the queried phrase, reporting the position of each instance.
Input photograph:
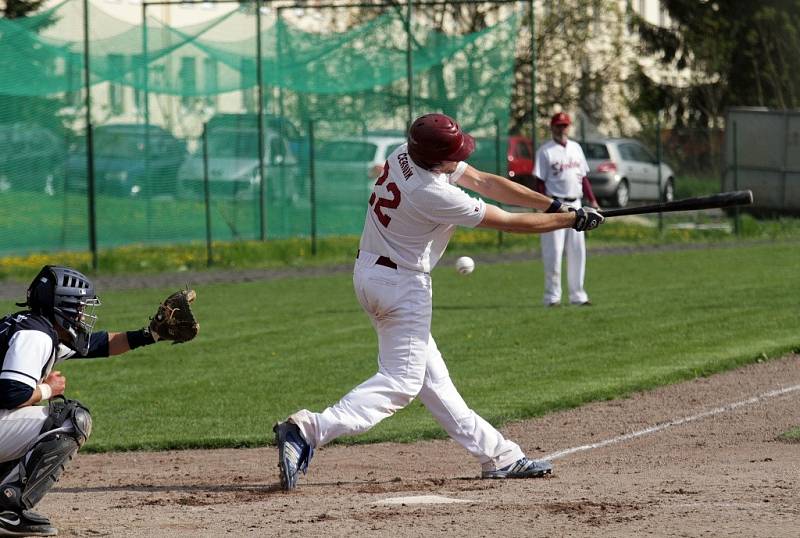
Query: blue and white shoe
(294, 453)
(522, 468)
(25, 523)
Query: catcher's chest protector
(25, 321)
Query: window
(626, 151)
(116, 68)
(277, 151)
(188, 78)
(248, 71)
(643, 154)
(523, 151)
(233, 143)
(595, 151)
(392, 147)
(347, 151)
(211, 79)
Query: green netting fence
(319, 106)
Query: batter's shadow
(451, 307)
(197, 488)
(390, 485)
(485, 307)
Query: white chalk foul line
(423, 499)
(676, 422)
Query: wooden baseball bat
(723, 199)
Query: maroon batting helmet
(434, 138)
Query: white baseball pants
(399, 304)
(19, 428)
(554, 245)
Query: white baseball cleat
(522, 468)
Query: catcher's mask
(435, 138)
(67, 298)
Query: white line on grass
(676, 422)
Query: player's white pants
(399, 303)
(554, 245)
(19, 428)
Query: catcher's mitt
(175, 320)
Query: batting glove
(587, 218)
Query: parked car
(516, 164)
(346, 168)
(127, 162)
(31, 158)
(622, 169)
(280, 124)
(234, 166)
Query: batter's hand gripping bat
(723, 199)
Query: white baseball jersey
(413, 212)
(562, 168)
(29, 349)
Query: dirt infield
(723, 472)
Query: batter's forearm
(505, 221)
(503, 190)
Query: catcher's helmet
(434, 138)
(62, 295)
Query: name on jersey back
(402, 158)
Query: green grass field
(792, 436)
(678, 228)
(269, 348)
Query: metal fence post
(409, 64)
(497, 168)
(207, 196)
(313, 187)
(736, 216)
(658, 164)
(147, 181)
(89, 139)
(260, 84)
(534, 110)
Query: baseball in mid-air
(465, 265)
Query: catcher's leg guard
(64, 432)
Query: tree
(739, 53)
(26, 108)
(578, 44)
(15, 9)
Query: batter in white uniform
(413, 210)
(561, 167)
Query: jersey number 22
(388, 203)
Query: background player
(413, 210)
(561, 170)
(36, 442)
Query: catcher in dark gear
(37, 441)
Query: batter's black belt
(564, 199)
(382, 260)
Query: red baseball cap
(562, 118)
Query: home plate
(422, 499)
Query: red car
(519, 159)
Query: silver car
(346, 168)
(622, 169)
(233, 166)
